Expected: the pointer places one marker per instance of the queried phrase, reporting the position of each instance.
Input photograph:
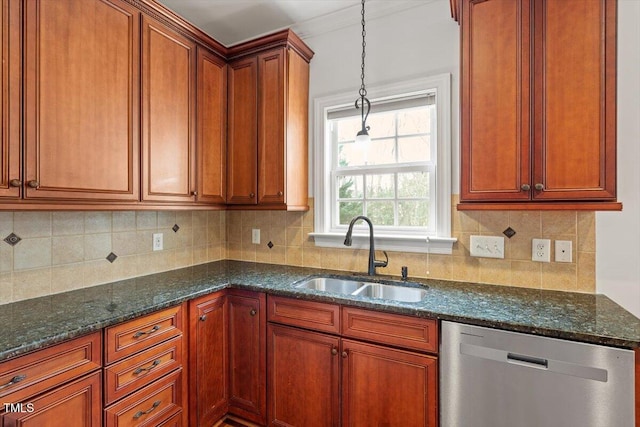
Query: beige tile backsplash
(62, 251)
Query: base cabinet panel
(78, 404)
(304, 379)
(387, 387)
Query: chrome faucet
(372, 261)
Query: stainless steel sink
(391, 292)
(386, 291)
(329, 284)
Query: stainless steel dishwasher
(493, 378)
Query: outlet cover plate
(255, 236)
(564, 251)
(487, 246)
(157, 242)
(541, 250)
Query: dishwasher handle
(534, 362)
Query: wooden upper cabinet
(211, 147)
(268, 153)
(10, 174)
(242, 149)
(538, 103)
(575, 108)
(168, 114)
(81, 94)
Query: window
(401, 180)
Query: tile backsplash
(61, 251)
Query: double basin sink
(385, 291)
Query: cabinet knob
(194, 193)
(33, 183)
(280, 193)
(253, 312)
(539, 187)
(15, 183)
(252, 195)
(334, 351)
(203, 317)
(525, 187)
(345, 354)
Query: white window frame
(442, 241)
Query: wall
(618, 233)
(62, 251)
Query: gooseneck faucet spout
(372, 261)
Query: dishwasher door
(493, 378)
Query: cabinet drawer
(304, 314)
(391, 329)
(77, 404)
(31, 374)
(136, 335)
(137, 371)
(149, 406)
(174, 421)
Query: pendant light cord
(363, 90)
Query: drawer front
(173, 421)
(136, 335)
(390, 329)
(31, 374)
(77, 404)
(149, 406)
(137, 371)
(304, 314)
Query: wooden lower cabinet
(77, 404)
(247, 355)
(304, 378)
(208, 360)
(387, 387)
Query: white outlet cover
(157, 241)
(541, 250)
(564, 251)
(255, 236)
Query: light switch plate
(487, 246)
(541, 250)
(564, 251)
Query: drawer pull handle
(148, 411)
(150, 331)
(203, 317)
(147, 369)
(12, 381)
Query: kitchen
(61, 251)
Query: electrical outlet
(487, 246)
(255, 236)
(563, 251)
(541, 250)
(157, 241)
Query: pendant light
(362, 102)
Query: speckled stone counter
(32, 324)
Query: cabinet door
(387, 387)
(168, 121)
(81, 100)
(271, 127)
(575, 106)
(303, 379)
(208, 363)
(78, 404)
(242, 162)
(247, 355)
(495, 98)
(10, 175)
(212, 128)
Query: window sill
(397, 243)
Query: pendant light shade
(362, 102)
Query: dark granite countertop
(32, 324)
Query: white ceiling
(233, 21)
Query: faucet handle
(382, 263)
